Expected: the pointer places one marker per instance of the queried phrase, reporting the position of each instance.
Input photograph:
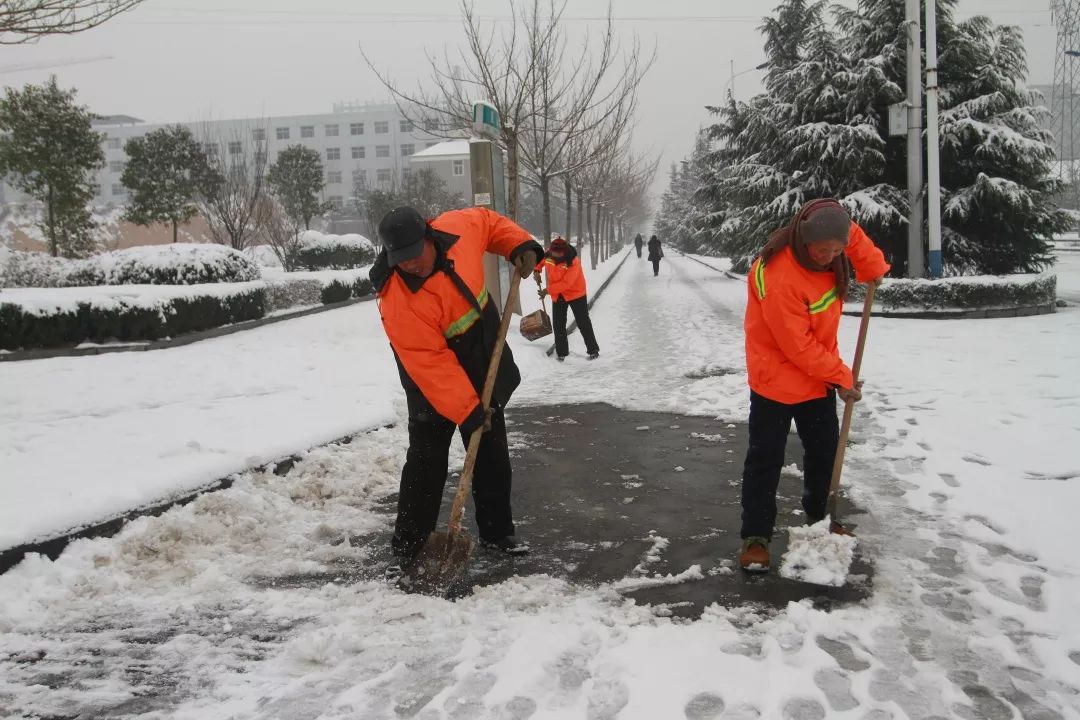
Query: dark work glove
(526, 263)
(478, 418)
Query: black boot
(508, 544)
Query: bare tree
(232, 199)
(281, 231)
(24, 21)
(498, 69)
(573, 99)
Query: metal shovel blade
(440, 562)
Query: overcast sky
(177, 60)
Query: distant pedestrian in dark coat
(655, 253)
(638, 242)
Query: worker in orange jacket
(796, 290)
(442, 325)
(566, 286)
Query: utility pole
(916, 266)
(933, 165)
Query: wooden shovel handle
(849, 405)
(465, 483)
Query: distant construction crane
(26, 67)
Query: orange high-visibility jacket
(792, 318)
(442, 337)
(565, 277)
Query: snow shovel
(444, 555)
(537, 324)
(815, 554)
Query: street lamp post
(731, 81)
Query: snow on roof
(448, 148)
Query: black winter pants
(639, 252)
(770, 421)
(584, 325)
(424, 477)
(656, 267)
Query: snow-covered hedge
(965, 293)
(292, 289)
(317, 251)
(33, 318)
(176, 264)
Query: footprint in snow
(519, 708)
(977, 460)
(836, 685)
(607, 699)
(704, 706)
(803, 709)
(949, 479)
(843, 654)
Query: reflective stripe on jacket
(792, 318)
(443, 333)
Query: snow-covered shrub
(264, 256)
(335, 292)
(176, 264)
(287, 292)
(66, 318)
(316, 251)
(965, 293)
(33, 269)
(362, 287)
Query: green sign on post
(486, 120)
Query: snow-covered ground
(85, 439)
(962, 457)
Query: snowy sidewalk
(195, 614)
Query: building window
(356, 128)
(406, 126)
(260, 159)
(382, 151)
(116, 166)
(359, 177)
(459, 168)
(383, 175)
(117, 189)
(407, 149)
(307, 131)
(333, 177)
(331, 131)
(333, 153)
(235, 147)
(335, 202)
(431, 125)
(211, 151)
(406, 173)
(358, 153)
(258, 134)
(283, 133)
(114, 143)
(382, 127)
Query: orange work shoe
(755, 555)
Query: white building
(372, 142)
(450, 160)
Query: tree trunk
(593, 249)
(174, 230)
(54, 247)
(512, 179)
(569, 207)
(601, 248)
(545, 196)
(580, 222)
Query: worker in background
(566, 286)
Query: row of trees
(819, 130)
(566, 107)
(50, 150)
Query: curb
(186, 339)
(54, 546)
(975, 314)
(727, 273)
(592, 301)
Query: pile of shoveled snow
(817, 556)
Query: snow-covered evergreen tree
(679, 221)
(819, 130)
(996, 189)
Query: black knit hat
(825, 220)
